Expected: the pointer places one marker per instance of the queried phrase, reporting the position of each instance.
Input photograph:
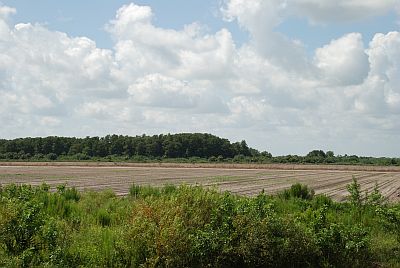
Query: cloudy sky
(286, 76)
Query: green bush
(104, 218)
(68, 193)
(298, 191)
(137, 191)
(191, 227)
(27, 235)
(355, 193)
(344, 246)
(51, 156)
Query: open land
(243, 179)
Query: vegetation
(194, 227)
(170, 146)
(185, 147)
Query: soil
(243, 179)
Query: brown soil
(244, 179)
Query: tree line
(183, 147)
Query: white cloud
(142, 48)
(6, 11)
(49, 121)
(129, 16)
(260, 18)
(254, 14)
(246, 111)
(109, 110)
(384, 56)
(162, 91)
(343, 61)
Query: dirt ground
(243, 179)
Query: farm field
(240, 179)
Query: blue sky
(315, 36)
(87, 18)
(287, 76)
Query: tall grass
(193, 227)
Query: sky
(286, 76)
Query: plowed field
(240, 179)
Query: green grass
(187, 226)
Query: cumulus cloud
(142, 48)
(45, 75)
(5, 12)
(130, 16)
(260, 18)
(246, 111)
(162, 91)
(171, 80)
(343, 61)
(384, 56)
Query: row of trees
(171, 146)
(182, 147)
(321, 157)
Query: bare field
(241, 179)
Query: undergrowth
(195, 227)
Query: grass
(186, 226)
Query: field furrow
(243, 180)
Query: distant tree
(51, 156)
(330, 154)
(140, 148)
(316, 153)
(173, 149)
(266, 154)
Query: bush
(81, 156)
(68, 193)
(103, 217)
(298, 191)
(344, 246)
(189, 227)
(355, 193)
(51, 156)
(390, 219)
(169, 189)
(27, 235)
(137, 191)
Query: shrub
(298, 191)
(103, 217)
(355, 193)
(51, 156)
(189, 227)
(137, 191)
(38, 156)
(321, 201)
(375, 199)
(68, 193)
(81, 156)
(344, 246)
(390, 219)
(26, 233)
(134, 190)
(169, 189)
